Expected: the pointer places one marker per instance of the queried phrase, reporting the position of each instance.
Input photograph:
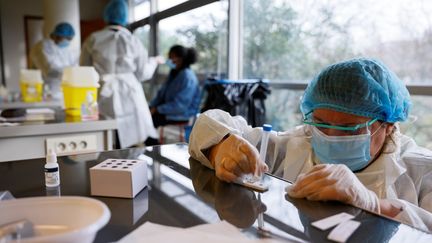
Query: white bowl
(57, 219)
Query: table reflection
(232, 202)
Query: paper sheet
(327, 223)
(209, 233)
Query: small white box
(118, 178)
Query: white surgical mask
(63, 43)
(353, 151)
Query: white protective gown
(51, 60)
(403, 174)
(121, 60)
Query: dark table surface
(184, 193)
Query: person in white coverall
(349, 149)
(52, 55)
(121, 60)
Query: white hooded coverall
(121, 60)
(51, 59)
(403, 175)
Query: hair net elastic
(116, 12)
(363, 87)
(64, 30)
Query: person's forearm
(212, 154)
(153, 110)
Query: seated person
(179, 97)
(350, 148)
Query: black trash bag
(244, 99)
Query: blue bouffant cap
(64, 30)
(363, 87)
(116, 12)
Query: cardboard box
(118, 178)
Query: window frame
(235, 43)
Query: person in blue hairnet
(349, 149)
(52, 55)
(122, 62)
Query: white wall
(12, 27)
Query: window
(293, 40)
(143, 34)
(419, 126)
(283, 109)
(141, 9)
(205, 29)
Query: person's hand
(234, 157)
(334, 182)
(390, 208)
(153, 110)
(160, 59)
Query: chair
(184, 128)
(180, 127)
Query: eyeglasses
(343, 130)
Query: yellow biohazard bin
(77, 83)
(31, 85)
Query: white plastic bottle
(52, 173)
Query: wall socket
(72, 144)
